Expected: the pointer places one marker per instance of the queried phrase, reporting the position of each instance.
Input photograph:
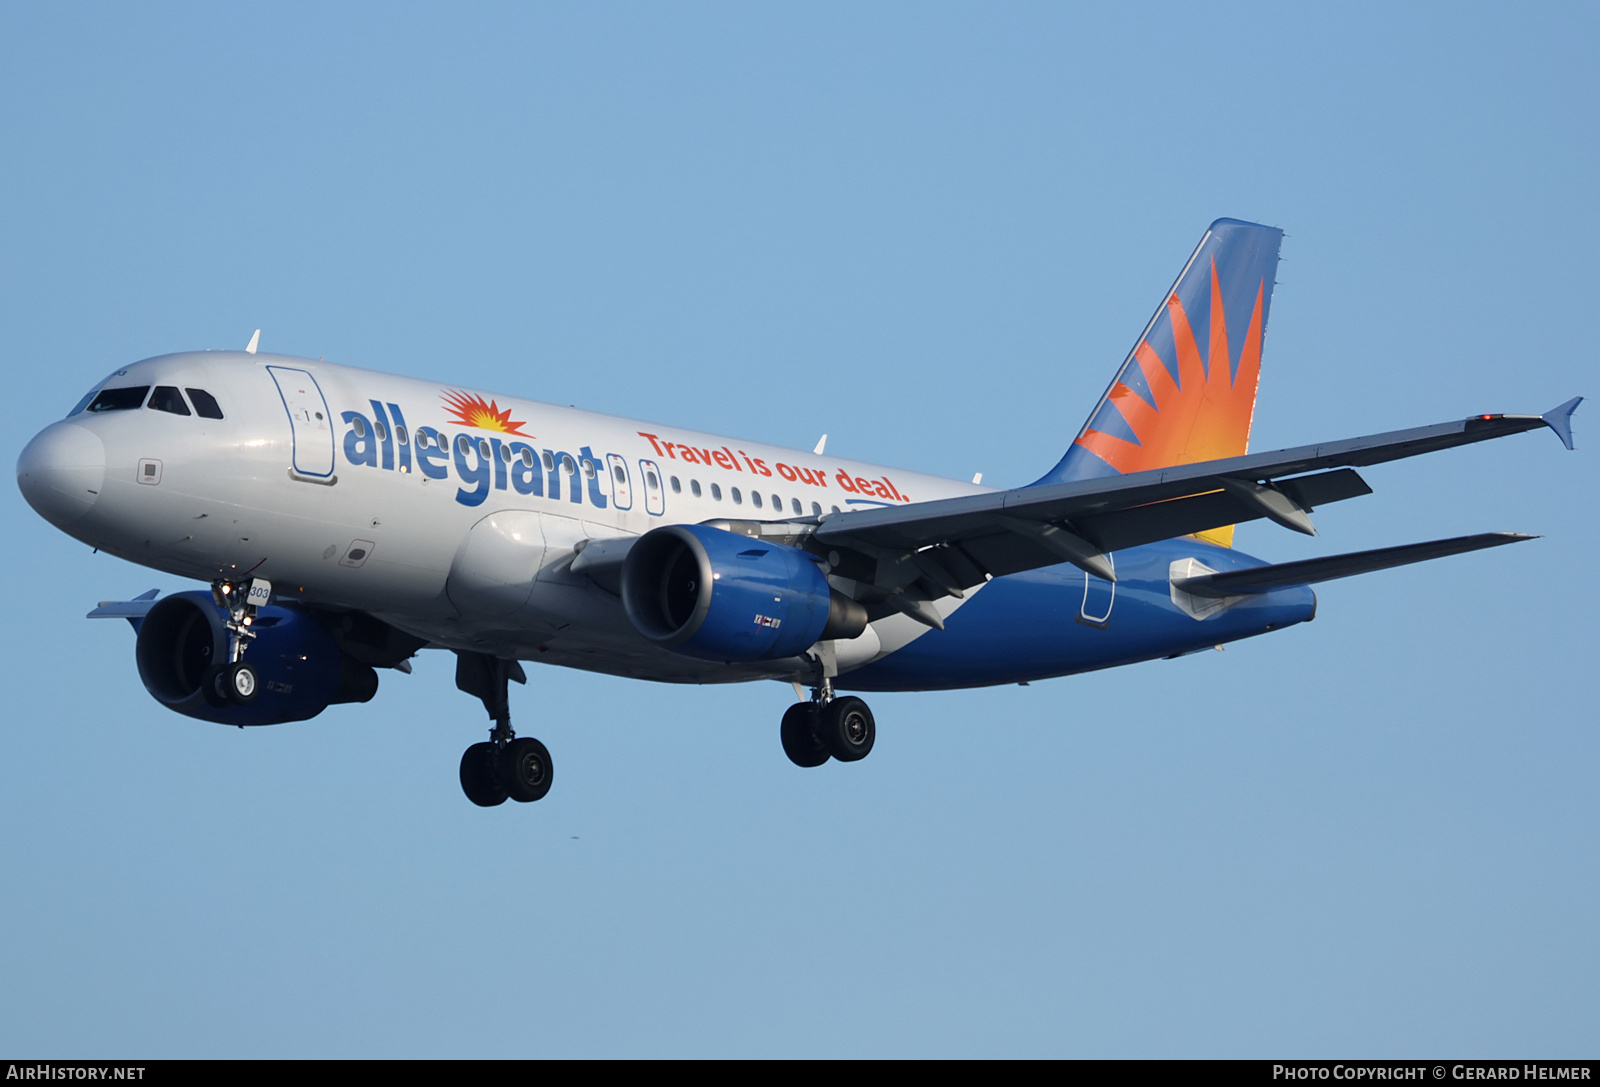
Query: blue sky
(932, 231)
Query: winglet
(1559, 419)
(255, 341)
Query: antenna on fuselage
(255, 341)
(822, 441)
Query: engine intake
(717, 595)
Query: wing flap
(1119, 529)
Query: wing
(906, 554)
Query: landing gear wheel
(847, 728)
(799, 735)
(212, 688)
(236, 683)
(480, 777)
(525, 770)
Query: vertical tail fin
(1187, 391)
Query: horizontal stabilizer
(1264, 579)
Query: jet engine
(708, 593)
(300, 668)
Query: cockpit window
(119, 399)
(205, 405)
(167, 398)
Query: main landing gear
(506, 766)
(827, 727)
(234, 681)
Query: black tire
(847, 728)
(480, 776)
(799, 735)
(233, 684)
(525, 770)
(212, 688)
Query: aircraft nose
(61, 472)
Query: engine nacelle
(300, 668)
(716, 595)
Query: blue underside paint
(1026, 626)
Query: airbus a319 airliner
(346, 520)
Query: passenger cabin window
(677, 488)
(794, 504)
(694, 487)
(205, 405)
(167, 398)
(119, 399)
(755, 497)
(716, 492)
(738, 498)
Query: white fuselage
(330, 481)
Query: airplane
(346, 519)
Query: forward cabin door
(309, 423)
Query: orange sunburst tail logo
(1187, 391)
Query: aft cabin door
(310, 428)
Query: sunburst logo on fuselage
(472, 410)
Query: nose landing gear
(235, 681)
(506, 767)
